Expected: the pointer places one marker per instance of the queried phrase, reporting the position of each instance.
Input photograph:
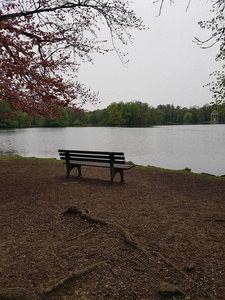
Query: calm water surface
(198, 147)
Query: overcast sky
(165, 67)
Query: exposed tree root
(56, 284)
(84, 214)
(53, 285)
(83, 234)
(129, 239)
(15, 293)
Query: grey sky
(165, 66)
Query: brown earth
(127, 241)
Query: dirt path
(159, 235)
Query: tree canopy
(217, 26)
(42, 43)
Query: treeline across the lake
(142, 114)
(116, 114)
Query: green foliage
(5, 114)
(216, 25)
(21, 119)
(157, 117)
(141, 114)
(116, 114)
(188, 118)
(12, 119)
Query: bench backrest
(93, 156)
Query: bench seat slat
(94, 158)
(99, 164)
(90, 163)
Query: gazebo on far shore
(214, 117)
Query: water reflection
(198, 147)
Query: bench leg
(79, 170)
(113, 173)
(70, 167)
(121, 176)
(68, 170)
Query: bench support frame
(113, 160)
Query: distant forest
(116, 114)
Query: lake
(198, 147)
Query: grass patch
(185, 171)
(37, 159)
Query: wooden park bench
(77, 158)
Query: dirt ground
(159, 235)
